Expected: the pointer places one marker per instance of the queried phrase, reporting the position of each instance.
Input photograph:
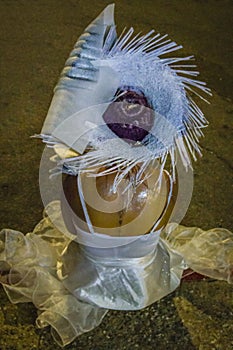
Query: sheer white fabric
(207, 252)
(73, 286)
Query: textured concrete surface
(37, 37)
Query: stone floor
(37, 37)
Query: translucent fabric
(207, 252)
(73, 286)
(28, 266)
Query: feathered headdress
(119, 102)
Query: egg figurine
(119, 122)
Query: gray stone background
(36, 38)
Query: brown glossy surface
(139, 207)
